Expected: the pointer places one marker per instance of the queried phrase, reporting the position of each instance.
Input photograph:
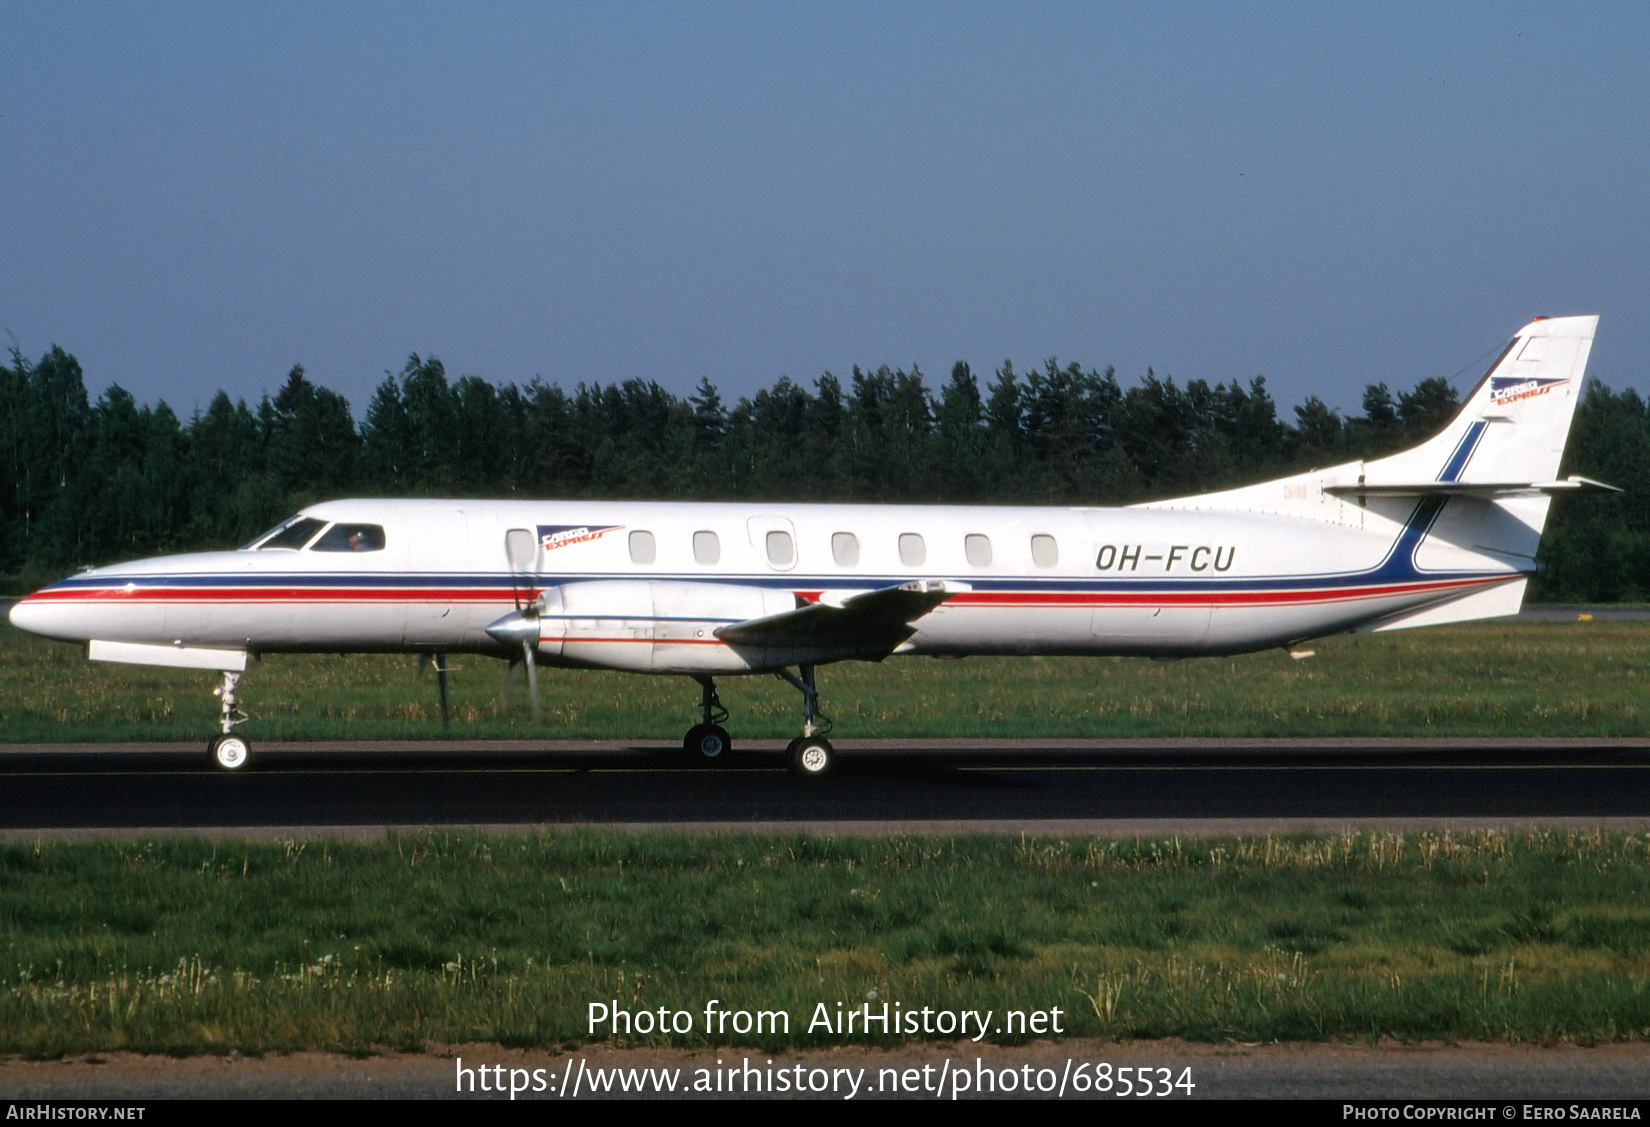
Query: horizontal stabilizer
(869, 624)
(1487, 489)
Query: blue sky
(199, 196)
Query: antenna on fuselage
(440, 662)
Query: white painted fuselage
(1443, 532)
(1178, 584)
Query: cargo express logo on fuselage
(1510, 389)
(552, 536)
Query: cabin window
(781, 550)
(295, 535)
(642, 548)
(978, 549)
(912, 551)
(845, 549)
(351, 538)
(707, 549)
(520, 549)
(1044, 551)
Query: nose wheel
(229, 752)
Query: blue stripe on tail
(1463, 452)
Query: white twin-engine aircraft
(1443, 532)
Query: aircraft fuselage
(657, 579)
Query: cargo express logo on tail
(1510, 389)
(553, 536)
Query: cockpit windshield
(265, 535)
(292, 534)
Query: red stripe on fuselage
(1019, 600)
(279, 595)
(580, 641)
(1296, 597)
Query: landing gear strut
(810, 755)
(708, 740)
(228, 751)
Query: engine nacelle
(642, 625)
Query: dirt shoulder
(1292, 1071)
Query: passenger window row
(781, 550)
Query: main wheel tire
(707, 743)
(811, 757)
(229, 753)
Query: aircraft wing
(1465, 488)
(869, 624)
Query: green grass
(1486, 679)
(187, 946)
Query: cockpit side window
(351, 538)
(295, 534)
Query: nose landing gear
(228, 751)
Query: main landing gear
(228, 751)
(810, 755)
(708, 740)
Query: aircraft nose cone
(26, 615)
(48, 620)
(514, 629)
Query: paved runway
(957, 784)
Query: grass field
(182, 946)
(186, 946)
(1484, 679)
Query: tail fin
(1514, 424)
(1483, 485)
(1506, 441)
(1498, 458)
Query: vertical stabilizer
(1478, 492)
(1510, 431)
(1514, 424)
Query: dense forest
(86, 483)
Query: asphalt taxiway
(1120, 786)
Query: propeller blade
(532, 681)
